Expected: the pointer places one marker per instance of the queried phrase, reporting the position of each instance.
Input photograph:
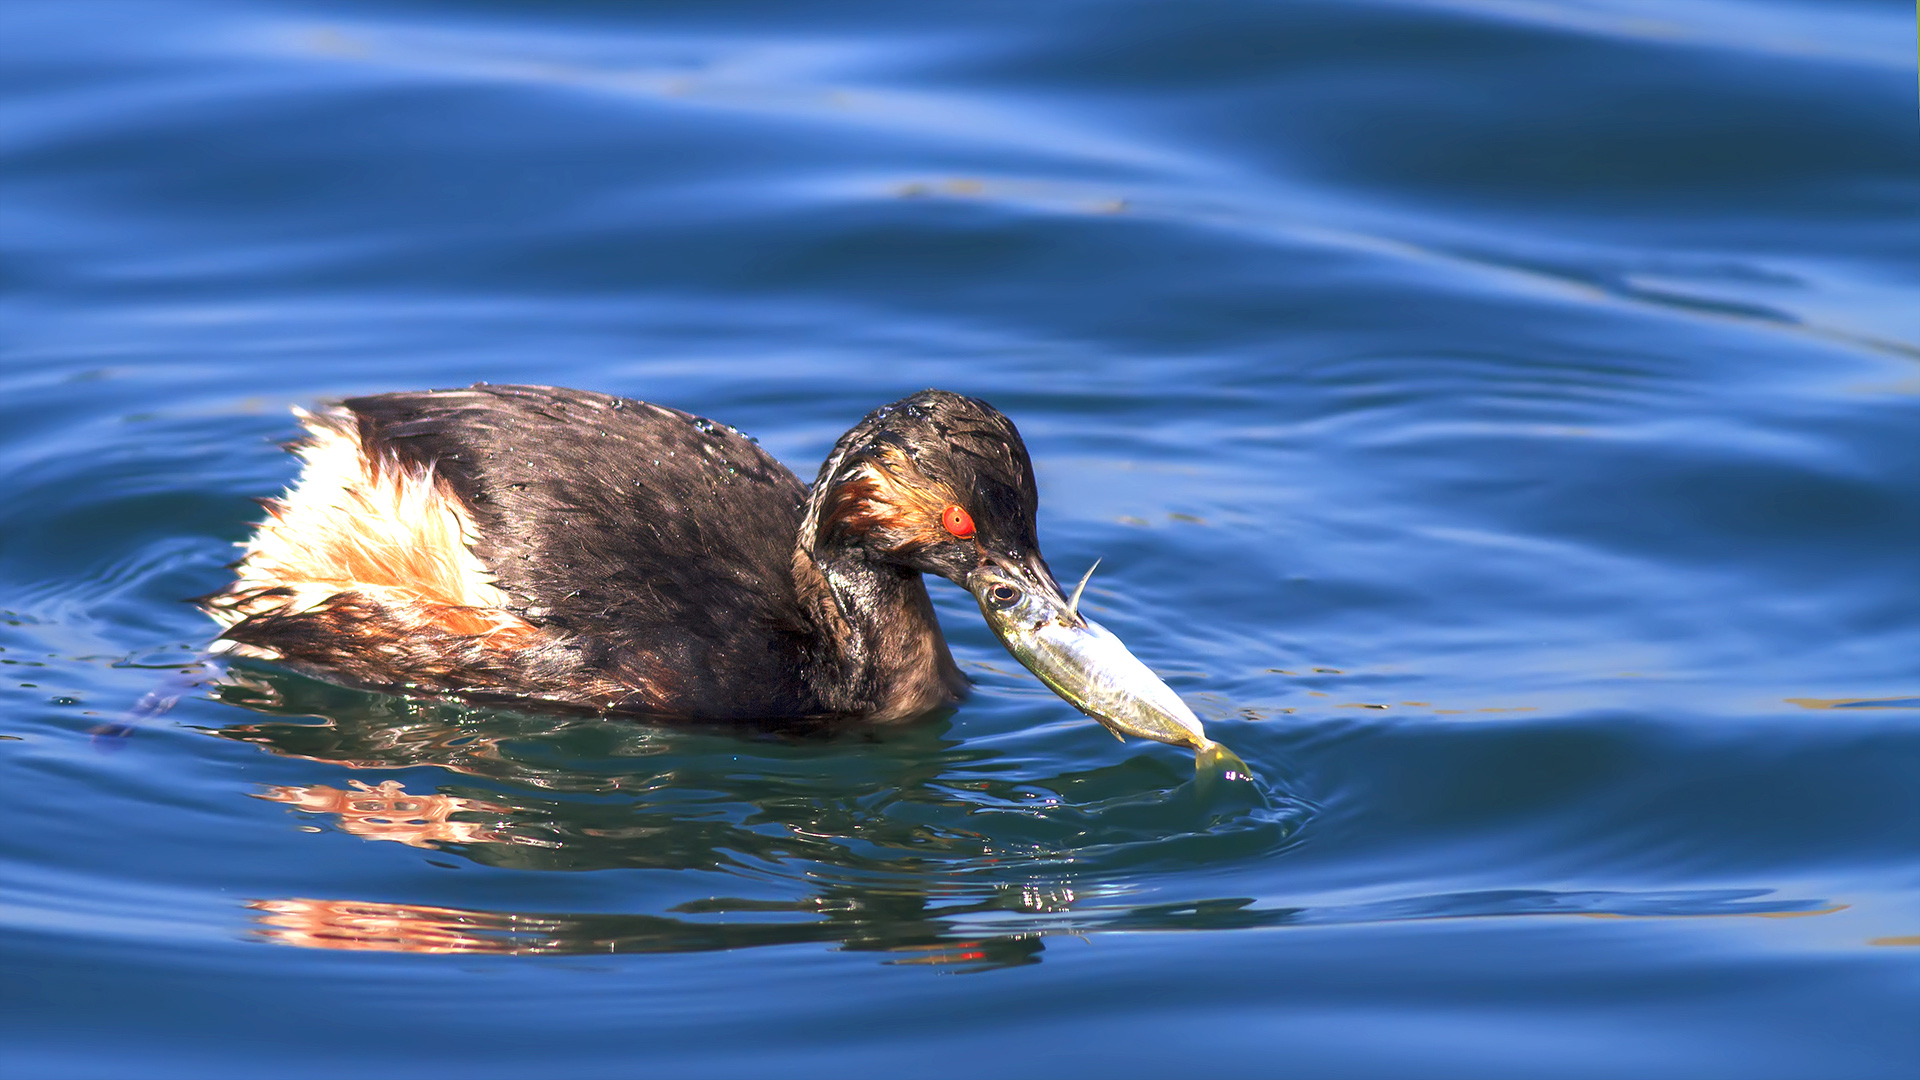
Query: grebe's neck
(882, 653)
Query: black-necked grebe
(571, 548)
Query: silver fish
(1085, 664)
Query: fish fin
(1073, 605)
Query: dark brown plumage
(578, 549)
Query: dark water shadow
(908, 842)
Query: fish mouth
(1078, 658)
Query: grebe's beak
(1079, 660)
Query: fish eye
(1003, 595)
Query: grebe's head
(942, 484)
(936, 482)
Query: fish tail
(1213, 759)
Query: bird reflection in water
(914, 846)
(386, 812)
(359, 925)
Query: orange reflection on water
(388, 812)
(943, 954)
(365, 926)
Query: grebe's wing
(535, 542)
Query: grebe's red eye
(957, 521)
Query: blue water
(1500, 419)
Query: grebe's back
(532, 542)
